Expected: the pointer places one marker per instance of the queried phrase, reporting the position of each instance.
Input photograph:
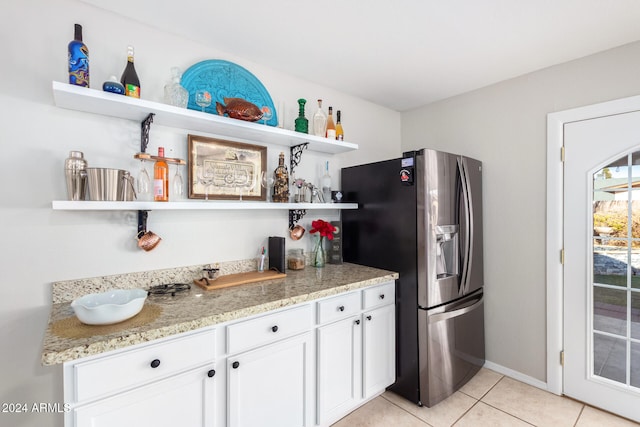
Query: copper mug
(148, 240)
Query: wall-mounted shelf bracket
(296, 155)
(295, 215)
(144, 135)
(142, 222)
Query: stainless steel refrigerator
(421, 215)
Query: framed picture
(225, 170)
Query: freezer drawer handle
(455, 313)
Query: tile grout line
(402, 409)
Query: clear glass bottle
(319, 121)
(339, 130)
(129, 78)
(78, 58)
(326, 184)
(161, 178)
(174, 93)
(331, 127)
(301, 122)
(281, 185)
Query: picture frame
(225, 170)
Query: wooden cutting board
(238, 279)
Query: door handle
(477, 302)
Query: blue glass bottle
(78, 60)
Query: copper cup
(148, 240)
(297, 232)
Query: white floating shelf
(66, 205)
(108, 104)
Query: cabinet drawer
(135, 367)
(338, 307)
(380, 295)
(266, 329)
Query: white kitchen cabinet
(356, 356)
(272, 385)
(339, 370)
(186, 399)
(379, 349)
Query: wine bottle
(331, 128)
(129, 77)
(319, 121)
(281, 185)
(78, 59)
(161, 178)
(339, 131)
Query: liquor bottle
(339, 130)
(301, 123)
(331, 128)
(78, 59)
(326, 184)
(129, 77)
(319, 121)
(281, 186)
(174, 93)
(161, 178)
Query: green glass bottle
(302, 124)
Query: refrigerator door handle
(475, 302)
(466, 231)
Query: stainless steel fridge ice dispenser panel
(445, 230)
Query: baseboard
(516, 375)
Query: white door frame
(555, 228)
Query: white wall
(39, 246)
(504, 125)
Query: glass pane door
(615, 293)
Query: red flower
(323, 227)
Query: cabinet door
(379, 349)
(339, 365)
(186, 399)
(272, 385)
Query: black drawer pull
(274, 328)
(235, 365)
(155, 363)
(341, 308)
(381, 296)
(211, 373)
(368, 317)
(357, 322)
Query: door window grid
(614, 297)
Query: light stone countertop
(198, 308)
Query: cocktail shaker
(75, 171)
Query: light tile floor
(489, 399)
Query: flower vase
(318, 257)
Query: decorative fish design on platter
(238, 108)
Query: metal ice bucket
(110, 184)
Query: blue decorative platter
(224, 79)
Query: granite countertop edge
(129, 338)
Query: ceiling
(400, 54)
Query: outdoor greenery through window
(616, 271)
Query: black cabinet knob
(211, 373)
(235, 365)
(155, 363)
(274, 328)
(341, 308)
(357, 322)
(381, 296)
(368, 317)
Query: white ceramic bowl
(109, 307)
